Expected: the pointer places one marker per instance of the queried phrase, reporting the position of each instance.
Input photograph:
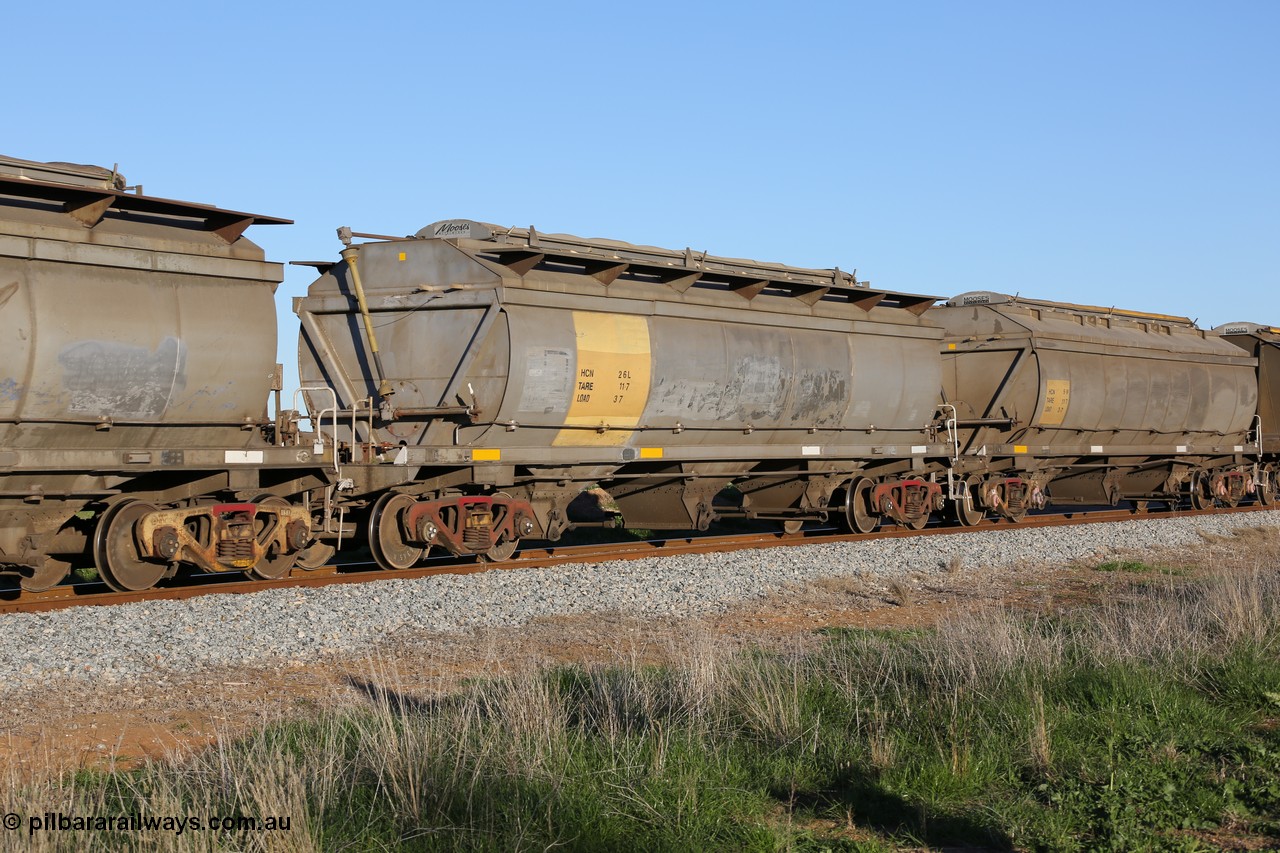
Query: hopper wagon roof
(1259, 330)
(88, 193)
(513, 253)
(1045, 320)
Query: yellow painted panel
(1057, 396)
(489, 454)
(402, 256)
(651, 453)
(611, 386)
(1019, 448)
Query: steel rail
(92, 594)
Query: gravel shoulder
(115, 685)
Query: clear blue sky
(1110, 153)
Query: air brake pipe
(349, 255)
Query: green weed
(1135, 566)
(1151, 726)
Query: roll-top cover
(522, 250)
(1244, 327)
(63, 173)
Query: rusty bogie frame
(908, 502)
(475, 524)
(223, 537)
(1229, 487)
(1012, 497)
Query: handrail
(317, 422)
(953, 431)
(358, 406)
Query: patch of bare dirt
(120, 726)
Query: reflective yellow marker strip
(486, 454)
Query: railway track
(92, 593)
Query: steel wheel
(115, 549)
(315, 555)
(390, 551)
(1199, 489)
(968, 510)
(857, 506)
(502, 551)
(1267, 491)
(273, 564)
(792, 526)
(47, 576)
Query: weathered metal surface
(544, 363)
(536, 364)
(468, 525)
(223, 537)
(1263, 343)
(63, 173)
(1069, 377)
(908, 502)
(563, 351)
(87, 193)
(137, 321)
(137, 340)
(1103, 404)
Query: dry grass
(901, 591)
(526, 725)
(1040, 743)
(989, 645)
